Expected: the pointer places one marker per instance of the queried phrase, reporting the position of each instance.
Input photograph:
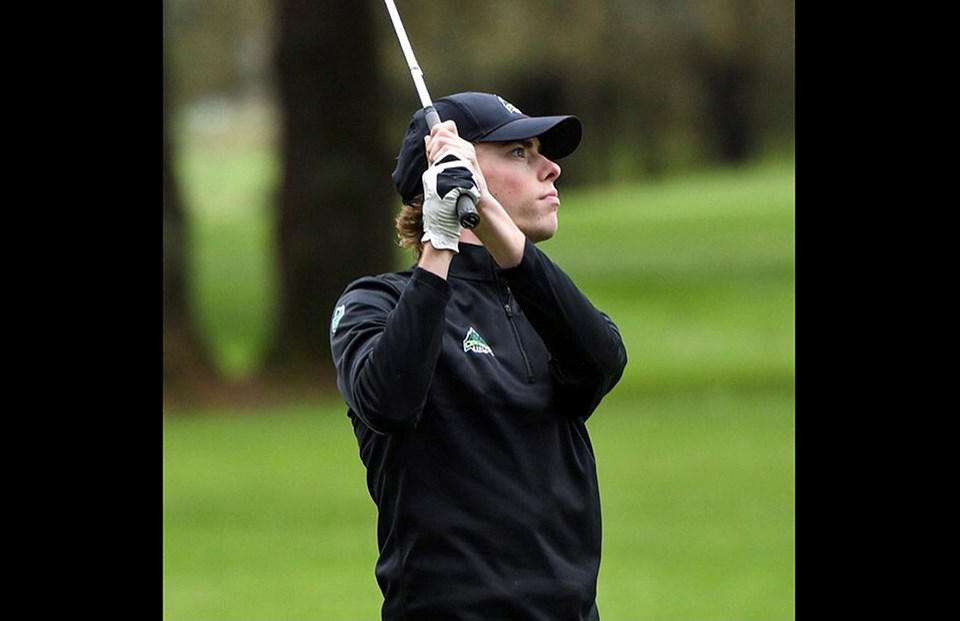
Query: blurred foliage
(661, 85)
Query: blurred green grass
(227, 196)
(266, 514)
(697, 271)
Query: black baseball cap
(481, 117)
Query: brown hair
(410, 226)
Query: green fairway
(266, 513)
(267, 516)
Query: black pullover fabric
(468, 398)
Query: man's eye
(519, 152)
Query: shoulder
(394, 281)
(379, 290)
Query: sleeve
(587, 350)
(385, 342)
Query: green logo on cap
(509, 106)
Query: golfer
(470, 376)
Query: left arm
(588, 352)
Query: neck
(468, 237)
(506, 252)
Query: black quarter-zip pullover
(468, 398)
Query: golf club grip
(467, 212)
(466, 209)
(432, 118)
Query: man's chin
(541, 233)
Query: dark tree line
(333, 221)
(712, 76)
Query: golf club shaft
(466, 209)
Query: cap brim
(559, 135)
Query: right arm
(385, 347)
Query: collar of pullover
(473, 262)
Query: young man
(469, 378)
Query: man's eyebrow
(527, 143)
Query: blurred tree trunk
(727, 61)
(335, 198)
(731, 123)
(187, 369)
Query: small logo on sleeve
(338, 313)
(475, 343)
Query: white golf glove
(443, 183)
